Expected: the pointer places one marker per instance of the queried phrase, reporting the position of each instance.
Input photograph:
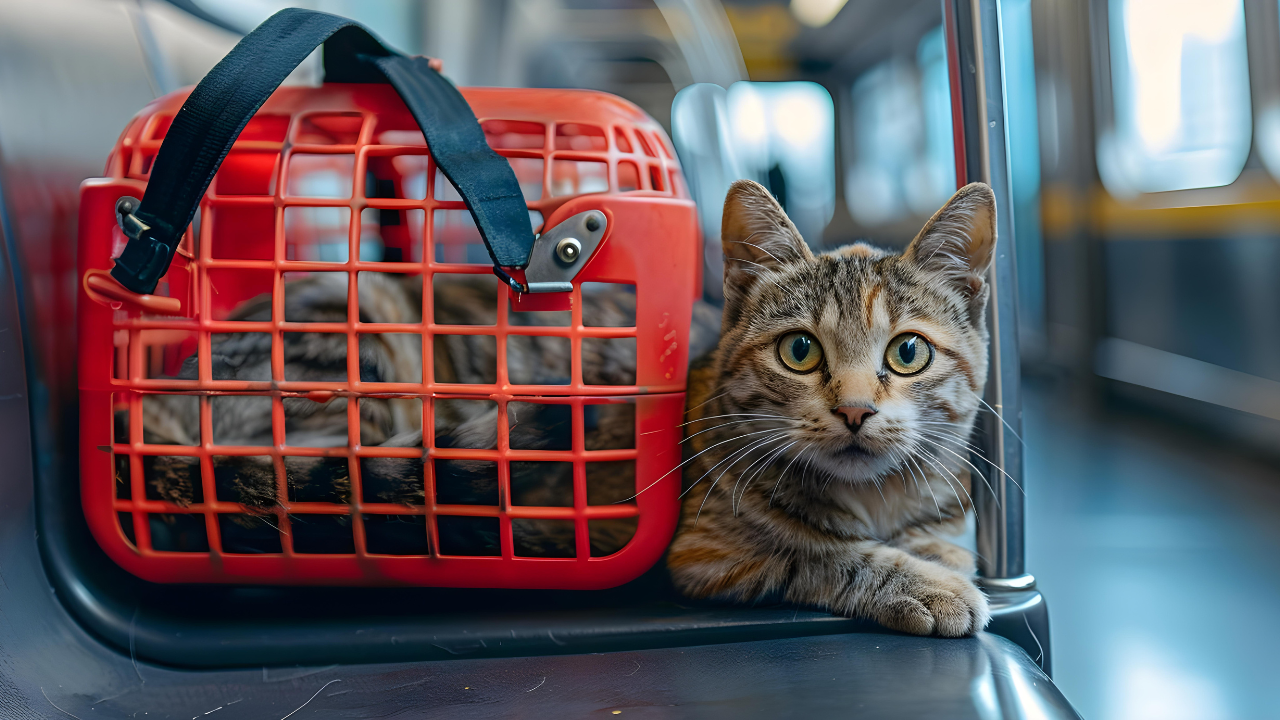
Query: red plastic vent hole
(628, 177)
(320, 176)
(575, 136)
(265, 128)
(621, 141)
(579, 177)
(514, 134)
(329, 129)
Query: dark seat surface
(51, 666)
(858, 675)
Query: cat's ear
(959, 240)
(756, 236)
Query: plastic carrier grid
(315, 182)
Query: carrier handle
(226, 99)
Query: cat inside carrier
(386, 341)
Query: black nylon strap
(483, 178)
(215, 113)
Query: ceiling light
(816, 13)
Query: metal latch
(559, 254)
(125, 218)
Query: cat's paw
(924, 598)
(924, 544)
(945, 553)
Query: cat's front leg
(926, 545)
(858, 579)
(903, 592)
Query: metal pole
(980, 118)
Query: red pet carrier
(383, 169)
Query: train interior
(1142, 180)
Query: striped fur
(783, 499)
(397, 422)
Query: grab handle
(215, 113)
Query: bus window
(1180, 92)
(903, 159)
(784, 136)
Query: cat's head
(860, 358)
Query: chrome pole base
(1018, 582)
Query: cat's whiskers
(827, 484)
(929, 486)
(808, 468)
(904, 459)
(902, 472)
(733, 491)
(937, 441)
(984, 459)
(754, 447)
(909, 466)
(752, 417)
(725, 424)
(876, 481)
(742, 455)
(777, 433)
(768, 463)
(744, 418)
(924, 474)
(953, 481)
(899, 467)
(1001, 417)
(984, 479)
(977, 452)
(729, 415)
(704, 402)
(947, 428)
(943, 436)
(954, 436)
(691, 459)
(948, 476)
(786, 470)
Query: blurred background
(1144, 141)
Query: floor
(1159, 552)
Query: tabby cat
(829, 428)
(396, 422)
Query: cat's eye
(800, 351)
(908, 354)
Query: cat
(828, 429)
(396, 422)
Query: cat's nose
(855, 415)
